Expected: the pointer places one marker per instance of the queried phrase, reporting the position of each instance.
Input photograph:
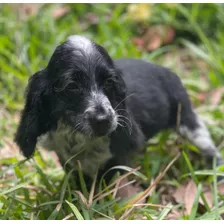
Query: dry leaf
(92, 18)
(179, 194)
(190, 193)
(128, 191)
(154, 43)
(173, 215)
(29, 8)
(169, 35)
(209, 195)
(138, 41)
(221, 189)
(23, 11)
(202, 96)
(59, 12)
(155, 36)
(217, 95)
(209, 198)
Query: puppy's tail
(190, 125)
(199, 136)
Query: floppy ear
(121, 84)
(36, 116)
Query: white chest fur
(91, 152)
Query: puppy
(87, 107)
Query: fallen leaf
(202, 96)
(174, 215)
(190, 193)
(154, 43)
(92, 18)
(154, 37)
(59, 12)
(128, 191)
(217, 95)
(169, 35)
(209, 198)
(179, 194)
(138, 41)
(29, 8)
(221, 189)
(25, 10)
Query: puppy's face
(80, 86)
(87, 84)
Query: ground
(177, 182)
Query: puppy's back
(149, 93)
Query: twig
(179, 108)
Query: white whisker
(127, 125)
(123, 100)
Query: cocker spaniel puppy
(102, 110)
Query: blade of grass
(196, 202)
(204, 173)
(100, 213)
(129, 169)
(75, 211)
(190, 167)
(215, 187)
(212, 215)
(10, 190)
(55, 213)
(44, 177)
(115, 182)
(82, 180)
(165, 212)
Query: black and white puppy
(101, 110)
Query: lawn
(178, 184)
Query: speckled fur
(81, 78)
(91, 152)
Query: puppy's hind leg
(193, 128)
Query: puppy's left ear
(36, 116)
(120, 87)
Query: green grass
(39, 188)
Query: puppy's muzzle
(100, 115)
(101, 123)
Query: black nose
(100, 123)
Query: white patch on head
(201, 138)
(67, 143)
(82, 43)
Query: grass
(38, 188)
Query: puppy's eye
(109, 82)
(72, 86)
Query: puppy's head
(80, 86)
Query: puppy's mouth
(103, 131)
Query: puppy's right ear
(36, 116)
